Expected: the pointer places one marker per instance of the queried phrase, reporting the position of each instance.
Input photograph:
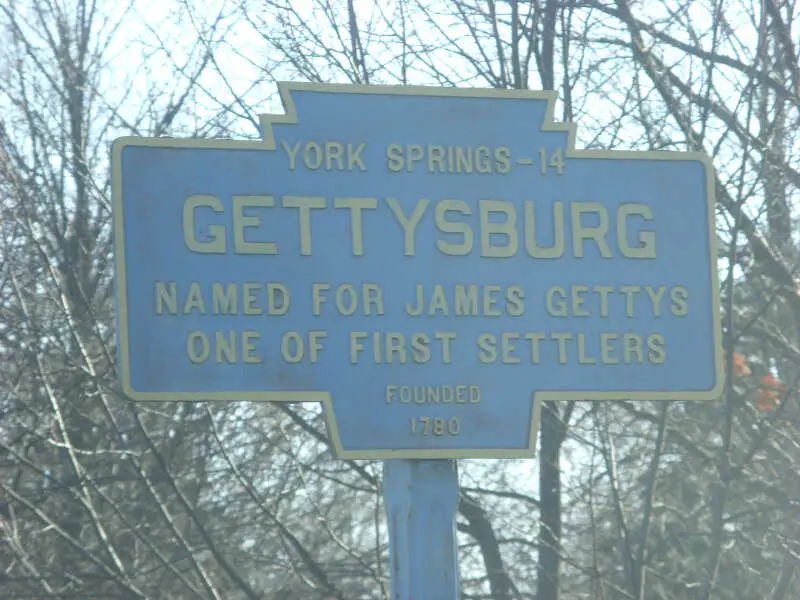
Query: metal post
(421, 501)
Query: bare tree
(102, 497)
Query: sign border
(268, 143)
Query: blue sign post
(428, 264)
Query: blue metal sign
(429, 264)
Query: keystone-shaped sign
(428, 264)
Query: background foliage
(102, 498)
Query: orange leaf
(769, 393)
(740, 368)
